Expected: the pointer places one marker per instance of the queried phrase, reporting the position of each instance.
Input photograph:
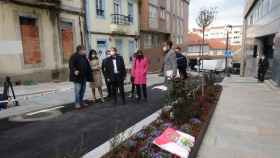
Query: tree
(205, 19)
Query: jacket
(139, 70)
(181, 61)
(109, 68)
(170, 63)
(79, 63)
(263, 64)
(104, 67)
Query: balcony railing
(100, 12)
(121, 19)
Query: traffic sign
(227, 54)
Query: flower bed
(188, 112)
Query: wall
(11, 53)
(155, 56)
(257, 28)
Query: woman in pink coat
(139, 71)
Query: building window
(162, 13)
(168, 24)
(147, 41)
(154, 2)
(155, 41)
(67, 40)
(168, 5)
(119, 45)
(100, 8)
(131, 49)
(153, 17)
(117, 6)
(130, 12)
(101, 47)
(30, 40)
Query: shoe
(85, 104)
(131, 96)
(77, 106)
(102, 100)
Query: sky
(229, 11)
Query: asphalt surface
(75, 132)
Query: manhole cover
(38, 116)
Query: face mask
(165, 48)
(94, 56)
(83, 52)
(113, 52)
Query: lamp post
(228, 29)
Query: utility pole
(228, 29)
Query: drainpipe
(56, 42)
(243, 49)
(86, 24)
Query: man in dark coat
(263, 67)
(181, 63)
(116, 73)
(80, 73)
(104, 71)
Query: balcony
(120, 23)
(119, 19)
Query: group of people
(175, 63)
(85, 69)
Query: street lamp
(228, 29)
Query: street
(90, 126)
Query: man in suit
(104, 71)
(116, 73)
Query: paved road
(246, 122)
(53, 138)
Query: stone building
(37, 38)
(161, 20)
(261, 24)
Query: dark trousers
(144, 90)
(261, 75)
(109, 88)
(183, 73)
(118, 85)
(133, 86)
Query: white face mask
(83, 52)
(112, 53)
(165, 48)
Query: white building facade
(113, 23)
(218, 32)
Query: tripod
(5, 98)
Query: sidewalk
(47, 95)
(246, 122)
